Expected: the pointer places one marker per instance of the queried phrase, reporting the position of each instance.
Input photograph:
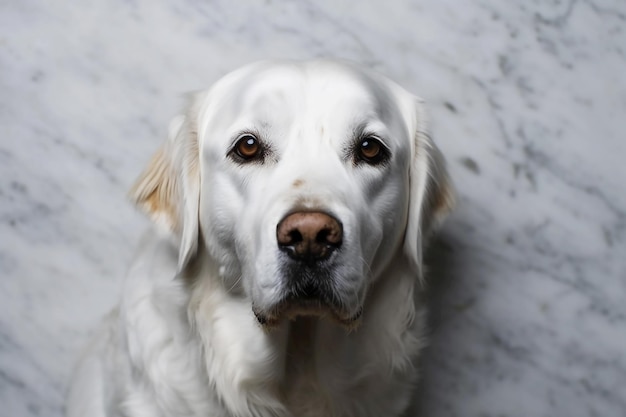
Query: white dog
(291, 204)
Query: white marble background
(528, 101)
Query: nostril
(295, 237)
(290, 238)
(322, 235)
(329, 237)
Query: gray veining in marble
(528, 102)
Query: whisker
(234, 284)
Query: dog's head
(304, 181)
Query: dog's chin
(292, 309)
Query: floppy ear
(169, 188)
(431, 195)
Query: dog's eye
(248, 147)
(371, 150)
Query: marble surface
(528, 102)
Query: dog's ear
(431, 195)
(169, 188)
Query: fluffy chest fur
(196, 350)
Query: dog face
(304, 180)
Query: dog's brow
(359, 129)
(374, 128)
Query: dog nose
(309, 236)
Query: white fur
(184, 340)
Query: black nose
(309, 236)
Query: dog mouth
(310, 290)
(292, 308)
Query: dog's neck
(302, 361)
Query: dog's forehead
(310, 88)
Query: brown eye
(371, 150)
(248, 147)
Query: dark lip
(293, 308)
